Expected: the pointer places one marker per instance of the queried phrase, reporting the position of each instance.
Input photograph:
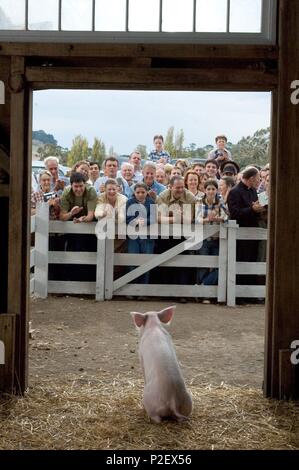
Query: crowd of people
(210, 192)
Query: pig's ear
(139, 319)
(165, 316)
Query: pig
(165, 394)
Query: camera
(48, 196)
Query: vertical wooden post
(7, 338)
(41, 251)
(270, 252)
(285, 270)
(19, 216)
(100, 276)
(222, 271)
(109, 268)
(231, 262)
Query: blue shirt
(155, 156)
(157, 187)
(141, 210)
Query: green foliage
(252, 149)
(79, 150)
(98, 151)
(48, 150)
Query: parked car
(198, 160)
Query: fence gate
(170, 258)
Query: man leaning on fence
(78, 201)
(245, 208)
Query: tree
(111, 152)
(179, 140)
(98, 151)
(142, 149)
(169, 142)
(78, 151)
(52, 150)
(252, 149)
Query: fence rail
(105, 259)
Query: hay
(94, 413)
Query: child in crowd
(211, 212)
(140, 212)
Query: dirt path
(84, 337)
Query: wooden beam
(7, 338)
(140, 50)
(153, 78)
(285, 274)
(19, 220)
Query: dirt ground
(76, 335)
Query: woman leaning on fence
(45, 195)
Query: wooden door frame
(171, 67)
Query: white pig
(165, 394)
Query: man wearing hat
(229, 169)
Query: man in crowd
(110, 170)
(175, 206)
(58, 183)
(149, 178)
(78, 201)
(211, 168)
(135, 160)
(125, 180)
(244, 207)
(229, 169)
(94, 172)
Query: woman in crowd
(111, 203)
(182, 164)
(203, 177)
(192, 183)
(161, 176)
(198, 168)
(82, 167)
(167, 168)
(226, 183)
(44, 194)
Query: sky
(124, 119)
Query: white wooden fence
(32, 257)
(106, 287)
